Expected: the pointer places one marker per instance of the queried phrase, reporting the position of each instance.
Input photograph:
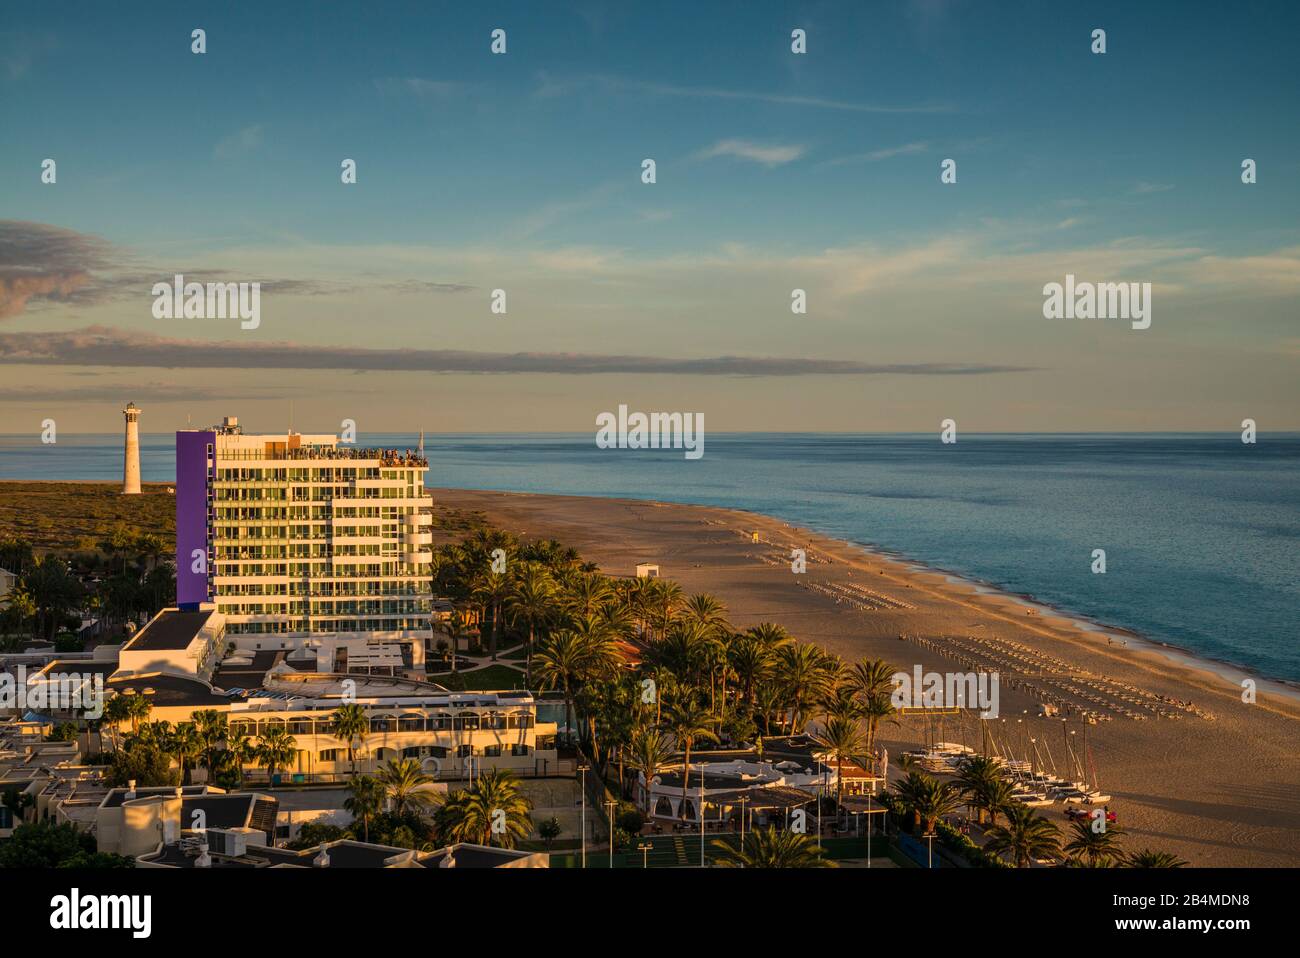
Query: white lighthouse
(131, 465)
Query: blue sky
(774, 171)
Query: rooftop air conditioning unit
(233, 842)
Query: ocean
(1201, 532)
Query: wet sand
(1192, 769)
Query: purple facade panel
(192, 516)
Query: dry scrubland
(77, 516)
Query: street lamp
(930, 841)
(609, 821)
(583, 770)
(869, 820)
(700, 811)
(644, 849)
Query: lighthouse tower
(131, 465)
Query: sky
(775, 171)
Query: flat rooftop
(82, 667)
(163, 689)
(117, 796)
(169, 630)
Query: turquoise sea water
(1201, 532)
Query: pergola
(759, 798)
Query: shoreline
(1222, 669)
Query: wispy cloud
(157, 392)
(44, 264)
(875, 156)
(38, 261)
(755, 152)
(550, 86)
(1145, 187)
(548, 214)
(120, 348)
(420, 87)
(240, 143)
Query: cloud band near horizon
(114, 347)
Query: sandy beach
(1192, 768)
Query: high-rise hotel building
(297, 536)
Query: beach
(1192, 769)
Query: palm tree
(803, 673)
(772, 849)
(870, 678)
(1147, 858)
(771, 635)
(491, 590)
(587, 595)
(493, 811)
(878, 708)
(405, 786)
(707, 611)
(1094, 847)
(454, 627)
(569, 659)
(689, 722)
(933, 802)
(649, 752)
(365, 797)
(1026, 836)
(993, 797)
(531, 601)
(976, 777)
(665, 597)
(116, 711)
(352, 726)
(212, 727)
(842, 739)
(925, 799)
(278, 749)
(751, 661)
(185, 743)
(242, 751)
(138, 708)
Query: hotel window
(492, 751)
(464, 751)
(518, 750)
